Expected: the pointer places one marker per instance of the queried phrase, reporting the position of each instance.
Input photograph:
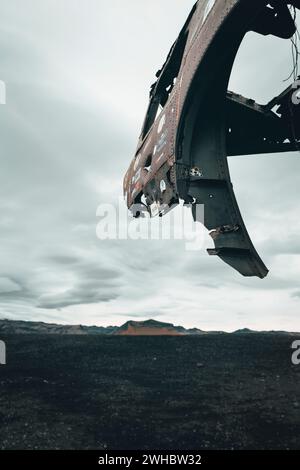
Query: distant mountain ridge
(28, 327)
(130, 328)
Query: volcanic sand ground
(95, 392)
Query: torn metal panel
(255, 129)
(193, 123)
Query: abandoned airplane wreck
(193, 123)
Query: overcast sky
(78, 75)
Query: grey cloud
(8, 286)
(88, 287)
(289, 245)
(145, 314)
(63, 259)
(296, 295)
(76, 296)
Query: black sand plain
(237, 391)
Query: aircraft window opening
(166, 79)
(148, 163)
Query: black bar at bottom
(135, 459)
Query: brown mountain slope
(153, 328)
